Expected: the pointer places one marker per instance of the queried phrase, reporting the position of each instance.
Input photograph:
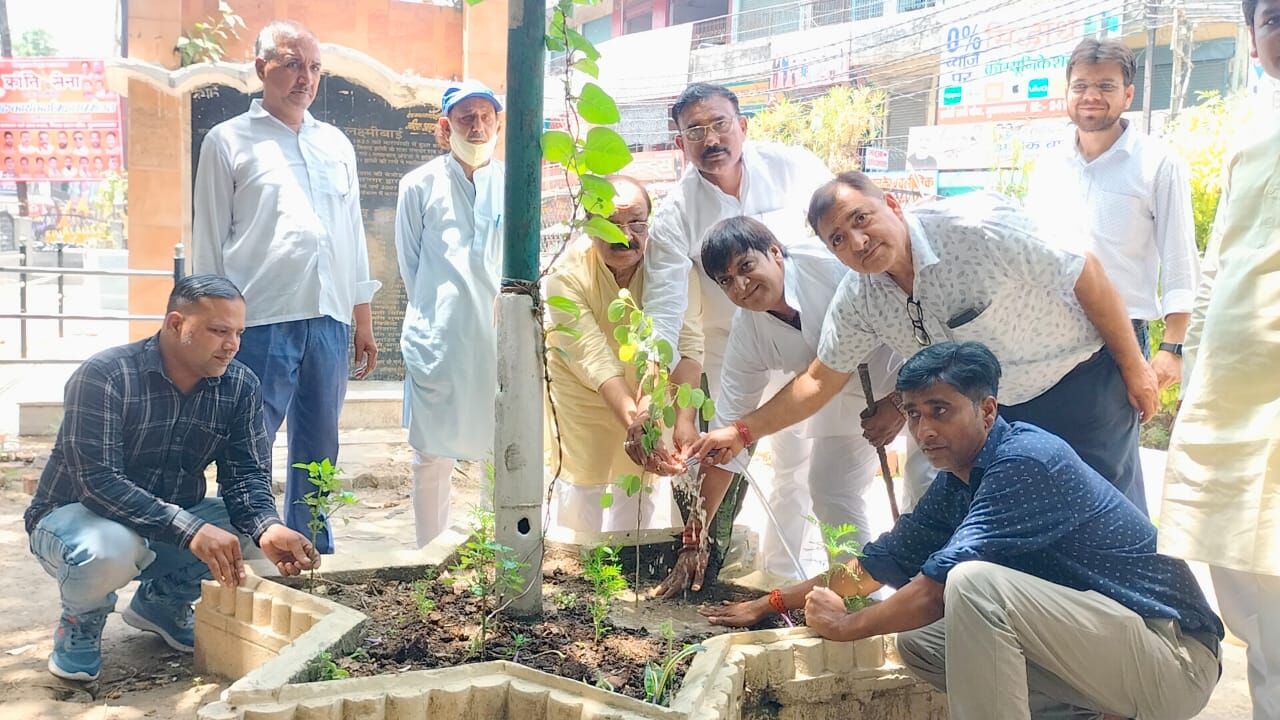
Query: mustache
(633, 245)
(707, 152)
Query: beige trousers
(1012, 646)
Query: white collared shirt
(1132, 205)
(777, 183)
(978, 252)
(760, 343)
(278, 213)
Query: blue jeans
(303, 368)
(91, 557)
(1143, 332)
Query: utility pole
(6, 50)
(517, 447)
(1148, 66)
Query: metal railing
(24, 269)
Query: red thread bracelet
(689, 538)
(775, 601)
(743, 432)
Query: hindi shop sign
(58, 121)
(1010, 65)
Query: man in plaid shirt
(124, 495)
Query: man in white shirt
(1131, 191)
(726, 176)
(449, 242)
(277, 210)
(973, 268)
(782, 295)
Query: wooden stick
(864, 374)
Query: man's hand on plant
(691, 565)
(882, 426)
(718, 446)
(659, 461)
(824, 611)
(220, 550)
(743, 614)
(684, 435)
(289, 549)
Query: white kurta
(1222, 483)
(449, 242)
(777, 183)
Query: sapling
(838, 548)
(604, 572)
(491, 568)
(657, 677)
(325, 501)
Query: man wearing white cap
(449, 242)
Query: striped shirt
(133, 449)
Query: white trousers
(822, 477)
(430, 494)
(1250, 605)
(577, 507)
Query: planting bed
(426, 624)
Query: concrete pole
(1148, 67)
(517, 454)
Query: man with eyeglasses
(973, 268)
(726, 176)
(449, 245)
(1131, 193)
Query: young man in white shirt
(449, 243)
(277, 210)
(782, 295)
(973, 268)
(1132, 193)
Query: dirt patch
(428, 624)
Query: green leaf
(557, 146)
(665, 354)
(596, 107)
(604, 229)
(616, 308)
(605, 152)
(565, 305)
(683, 394)
(637, 318)
(630, 484)
(579, 42)
(622, 334)
(597, 195)
(708, 410)
(588, 66)
(669, 416)
(569, 330)
(564, 354)
(697, 397)
(554, 43)
(626, 352)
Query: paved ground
(142, 679)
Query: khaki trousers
(1012, 646)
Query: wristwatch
(1175, 348)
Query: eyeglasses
(698, 133)
(1106, 88)
(916, 313)
(639, 228)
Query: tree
(833, 125)
(1201, 136)
(35, 43)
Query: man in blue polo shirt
(1027, 584)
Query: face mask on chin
(473, 154)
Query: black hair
(1250, 8)
(192, 288)
(1092, 51)
(730, 238)
(825, 196)
(698, 92)
(969, 367)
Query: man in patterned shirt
(123, 494)
(1025, 581)
(974, 268)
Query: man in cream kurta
(449, 243)
(1222, 484)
